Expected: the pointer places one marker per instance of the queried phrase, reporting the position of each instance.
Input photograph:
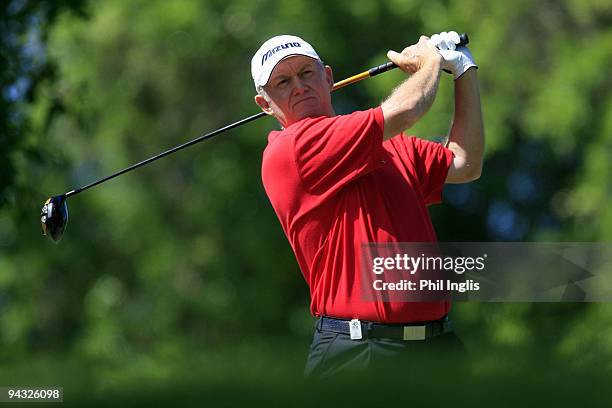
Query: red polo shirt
(334, 185)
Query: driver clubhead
(54, 217)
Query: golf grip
(463, 40)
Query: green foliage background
(182, 268)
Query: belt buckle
(414, 332)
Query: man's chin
(314, 113)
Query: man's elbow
(463, 174)
(474, 175)
(466, 167)
(472, 172)
(472, 167)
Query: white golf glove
(457, 58)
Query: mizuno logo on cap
(274, 50)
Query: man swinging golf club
(338, 181)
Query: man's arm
(466, 137)
(413, 98)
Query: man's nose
(298, 85)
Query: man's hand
(416, 56)
(456, 60)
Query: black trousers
(335, 354)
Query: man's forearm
(411, 100)
(466, 137)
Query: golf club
(54, 213)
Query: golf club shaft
(351, 80)
(167, 152)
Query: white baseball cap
(273, 51)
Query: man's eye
(307, 73)
(282, 82)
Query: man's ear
(263, 104)
(329, 75)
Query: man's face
(298, 88)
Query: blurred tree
(24, 66)
(24, 27)
(188, 252)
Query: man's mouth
(303, 100)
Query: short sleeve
(428, 162)
(432, 162)
(331, 152)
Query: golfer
(339, 181)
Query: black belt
(400, 331)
